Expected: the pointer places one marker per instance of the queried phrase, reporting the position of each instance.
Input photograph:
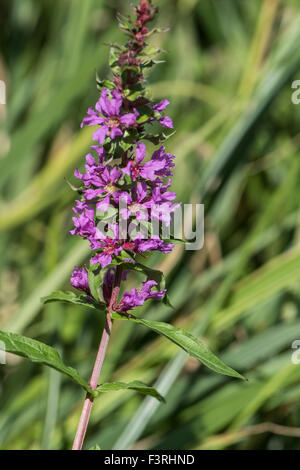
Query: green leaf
(166, 300)
(95, 281)
(192, 345)
(152, 50)
(143, 118)
(134, 95)
(96, 447)
(159, 138)
(77, 189)
(105, 84)
(135, 385)
(41, 353)
(151, 273)
(96, 277)
(154, 139)
(174, 240)
(113, 59)
(72, 298)
(125, 145)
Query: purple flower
(163, 212)
(100, 152)
(165, 121)
(135, 298)
(160, 195)
(81, 206)
(161, 206)
(164, 160)
(112, 122)
(159, 165)
(79, 280)
(84, 224)
(136, 204)
(92, 167)
(104, 180)
(152, 244)
(161, 106)
(110, 247)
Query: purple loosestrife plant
(122, 187)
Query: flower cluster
(121, 185)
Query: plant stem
(88, 403)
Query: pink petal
(128, 119)
(140, 152)
(100, 134)
(167, 122)
(114, 132)
(161, 106)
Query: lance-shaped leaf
(41, 353)
(77, 189)
(174, 240)
(151, 273)
(192, 345)
(96, 276)
(72, 298)
(95, 281)
(135, 385)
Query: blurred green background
(229, 69)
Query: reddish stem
(88, 403)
